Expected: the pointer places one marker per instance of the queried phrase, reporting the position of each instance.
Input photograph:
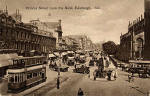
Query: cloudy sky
(103, 20)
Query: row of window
(29, 61)
(16, 78)
(21, 77)
(35, 74)
(25, 36)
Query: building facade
(82, 42)
(137, 40)
(15, 34)
(57, 32)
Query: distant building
(57, 27)
(50, 28)
(82, 42)
(137, 40)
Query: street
(100, 87)
(74, 48)
(71, 82)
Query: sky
(101, 20)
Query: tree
(110, 47)
(122, 53)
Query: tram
(25, 72)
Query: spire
(129, 23)
(141, 16)
(18, 12)
(6, 10)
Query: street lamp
(59, 65)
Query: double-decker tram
(26, 72)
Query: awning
(56, 53)
(70, 52)
(51, 55)
(64, 53)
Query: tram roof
(27, 57)
(23, 69)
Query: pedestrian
(129, 77)
(58, 83)
(94, 74)
(109, 75)
(115, 74)
(80, 92)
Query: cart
(91, 63)
(81, 68)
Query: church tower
(147, 29)
(147, 5)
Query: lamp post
(59, 61)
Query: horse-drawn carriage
(81, 68)
(55, 67)
(61, 68)
(99, 73)
(71, 58)
(91, 63)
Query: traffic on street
(97, 76)
(74, 48)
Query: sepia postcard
(74, 47)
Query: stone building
(137, 40)
(57, 32)
(82, 42)
(18, 38)
(14, 34)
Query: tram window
(11, 79)
(39, 61)
(29, 75)
(21, 77)
(36, 61)
(23, 62)
(16, 79)
(34, 74)
(28, 61)
(15, 62)
(40, 73)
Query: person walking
(58, 83)
(80, 92)
(109, 75)
(115, 74)
(94, 74)
(130, 77)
